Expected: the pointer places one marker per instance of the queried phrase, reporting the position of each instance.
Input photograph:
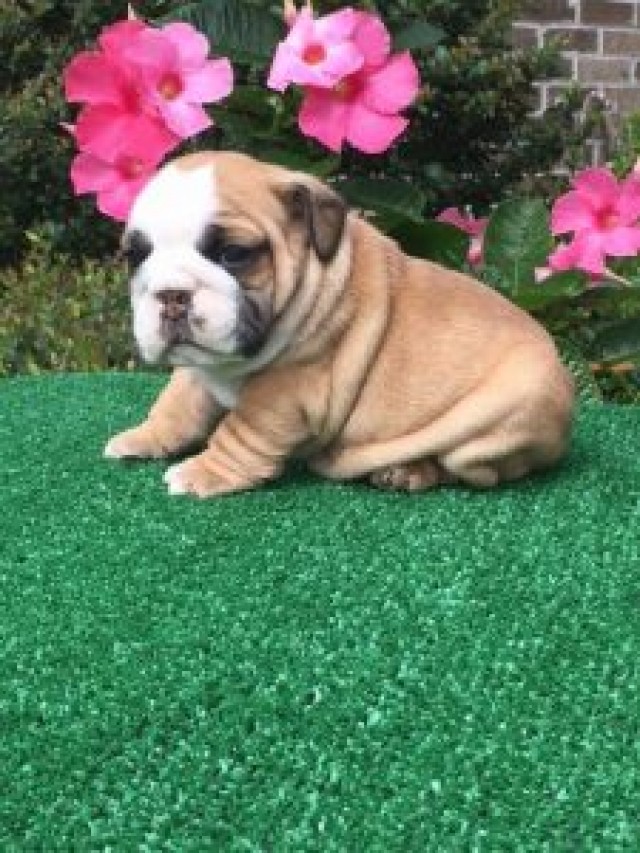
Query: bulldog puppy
(297, 329)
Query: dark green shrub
(471, 139)
(58, 313)
(37, 39)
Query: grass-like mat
(311, 666)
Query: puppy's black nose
(175, 304)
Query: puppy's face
(218, 244)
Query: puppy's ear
(321, 211)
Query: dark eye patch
(221, 248)
(136, 249)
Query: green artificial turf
(311, 666)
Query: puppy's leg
(410, 476)
(183, 414)
(249, 447)
(492, 459)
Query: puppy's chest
(225, 388)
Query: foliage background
(472, 140)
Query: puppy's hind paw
(409, 477)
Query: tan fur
(392, 368)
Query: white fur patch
(173, 479)
(176, 204)
(172, 211)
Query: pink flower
(541, 274)
(317, 51)
(143, 91)
(119, 171)
(603, 215)
(363, 108)
(164, 73)
(100, 77)
(470, 225)
(176, 77)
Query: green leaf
(391, 201)
(245, 32)
(613, 301)
(299, 161)
(418, 35)
(434, 241)
(617, 342)
(517, 240)
(555, 289)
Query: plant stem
(618, 278)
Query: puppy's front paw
(136, 443)
(192, 477)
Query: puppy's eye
(234, 255)
(136, 250)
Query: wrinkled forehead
(176, 205)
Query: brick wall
(601, 47)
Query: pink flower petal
(285, 67)
(454, 216)
(572, 212)
(182, 118)
(621, 242)
(598, 186)
(324, 117)
(337, 26)
(541, 274)
(114, 38)
(117, 201)
(342, 60)
(105, 132)
(371, 132)
(153, 50)
(393, 86)
(91, 78)
(335, 58)
(212, 82)
(372, 39)
(476, 249)
(288, 67)
(303, 30)
(628, 204)
(583, 253)
(192, 46)
(477, 227)
(90, 174)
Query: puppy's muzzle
(175, 308)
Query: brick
(573, 38)
(563, 68)
(538, 103)
(621, 41)
(557, 90)
(603, 69)
(625, 99)
(554, 11)
(524, 36)
(607, 12)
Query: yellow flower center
(345, 88)
(131, 168)
(314, 54)
(170, 87)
